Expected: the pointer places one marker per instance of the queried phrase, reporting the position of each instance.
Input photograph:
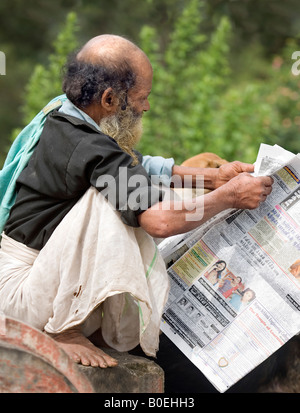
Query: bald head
(112, 50)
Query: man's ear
(109, 100)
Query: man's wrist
(225, 196)
(210, 178)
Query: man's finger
(246, 167)
(268, 180)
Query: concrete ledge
(134, 374)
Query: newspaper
(235, 281)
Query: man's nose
(146, 106)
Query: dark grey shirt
(70, 157)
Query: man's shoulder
(70, 129)
(63, 120)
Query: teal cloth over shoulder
(19, 155)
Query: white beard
(126, 128)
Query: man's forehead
(143, 69)
(143, 83)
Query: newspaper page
(235, 283)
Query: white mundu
(93, 270)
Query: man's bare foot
(81, 350)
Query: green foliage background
(222, 70)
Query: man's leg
(16, 262)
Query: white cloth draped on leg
(93, 270)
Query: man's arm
(213, 177)
(174, 217)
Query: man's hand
(230, 170)
(245, 191)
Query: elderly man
(84, 270)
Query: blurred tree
(281, 91)
(269, 23)
(31, 26)
(189, 79)
(45, 82)
(199, 106)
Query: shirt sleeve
(109, 169)
(159, 169)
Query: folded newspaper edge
(235, 280)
